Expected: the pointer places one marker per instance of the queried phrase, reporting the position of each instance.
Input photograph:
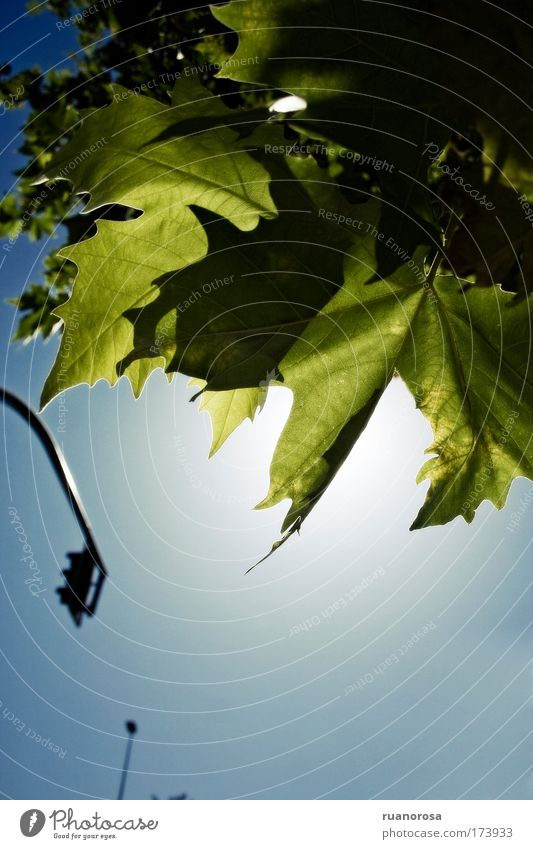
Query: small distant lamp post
(131, 728)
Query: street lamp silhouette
(131, 728)
(80, 581)
(87, 573)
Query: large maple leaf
(160, 160)
(465, 356)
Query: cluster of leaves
(132, 44)
(383, 230)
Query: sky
(361, 661)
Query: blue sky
(228, 704)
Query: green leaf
(227, 410)
(464, 356)
(468, 364)
(337, 372)
(125, 155)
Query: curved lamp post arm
(66, 480)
